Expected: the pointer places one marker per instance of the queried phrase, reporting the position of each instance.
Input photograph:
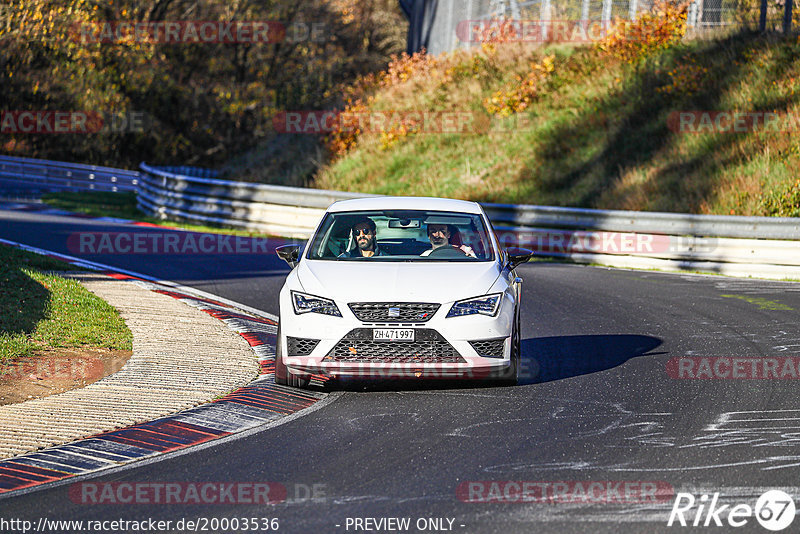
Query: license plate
(393, 334)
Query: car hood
(351, 281)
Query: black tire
(298, 381)
(510, 375)
(280, 368)
(516, 350)
(282, 375)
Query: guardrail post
(633, 6)
(606, 16)
(691, 18)
(787, 17)
(544, 17)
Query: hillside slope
(587, 126)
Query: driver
(365, 235)
(439, 234)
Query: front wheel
(282, 375)
(510, 376)
(516, 353)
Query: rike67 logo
(774, 511)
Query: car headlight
(304, 303)
(485, 305)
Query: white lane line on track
(180, 452)
(174, 285)
(173, 454)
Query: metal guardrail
(192, 194)
(278, 210)
(25, 175)
(678, 224)
(740, 246)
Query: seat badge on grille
(394, 312)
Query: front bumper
(377, 371)
(441, 349)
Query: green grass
(123, 206)
(40, 310)
(597, 136)
(762, 303)
(97, 204)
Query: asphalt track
(603, 407)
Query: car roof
(405, 203)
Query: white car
(394, 287)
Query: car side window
(338, 240)
(475, 240)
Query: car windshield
(415, 235)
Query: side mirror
(517, 256)
(289, 254)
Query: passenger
(440, 236)
(366, 237)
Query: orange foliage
(685, 79)
(401, 69)
(517, 98)
(342, 139)
(661, 28)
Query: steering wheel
(447, 251)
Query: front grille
(489, 348)
(428, 347)
(298, 346)
(393, 312)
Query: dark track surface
(603, 408)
